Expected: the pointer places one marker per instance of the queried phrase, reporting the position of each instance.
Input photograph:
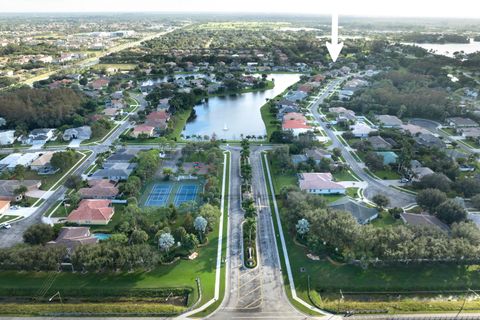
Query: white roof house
(320, 183)
(361, 130)
(15, 159)
(389, 121)
(7, 137)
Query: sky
(400, 8)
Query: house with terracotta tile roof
(99, 189)
(143, 129)
(4, 206)
(295, 122)
(92, 212)
(99, 83)
(158, 119)
(319, 183)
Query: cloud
(407, 8)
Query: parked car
(5, 226)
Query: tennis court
(185, 193)
(159, 195)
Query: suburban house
(42, 163)
(99, 189)
(361, 213)
(423, 220)
(4, 206)
(8, 187)
(458, 122)
(413, 129)
(99, 83)
(343, 114)
(18, 159)
(361, 130)
(320, 183)
(92, 212)
(296, 95)
(471, 133)
(295, 122)
(378, 143)
(72, 237)
(110, 112)
(158, 119)
(7, 137)
(143, 129)
(429, 140)
(316, 154)
(81, 133)
(115, 171)
(40, 136)
(121, 156)
(388, 121)
(419, 171)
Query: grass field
(327, 278)
(268, 120)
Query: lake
(448, 49)
(238, 114)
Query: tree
(74, 182)
(303, 226)
(450, 212)
(38, 234)
(200, 225)
(476, 201)
(374, 161)
(20, 191)
(190, 242)
(138, 237)
(210, 213)
(19, 172)
(166, 241)
(430, 199)
(63, 160)
(435, 181)
(381, 201)
(74, 199)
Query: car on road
(5, 226)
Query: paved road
(253, 293)
(397, 198)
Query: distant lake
(448, 49)
(240, 113)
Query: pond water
(448, 49)
(231, 116)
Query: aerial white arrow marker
(334, 47)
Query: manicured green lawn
(179, 120)
(6, 218)
(344, 176)
(385, 219)
(269, 120)
(387, 174)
